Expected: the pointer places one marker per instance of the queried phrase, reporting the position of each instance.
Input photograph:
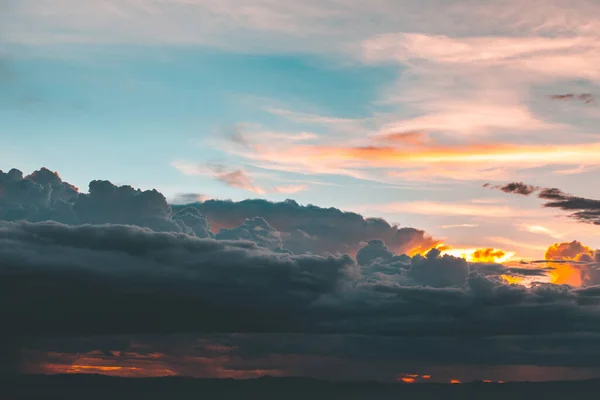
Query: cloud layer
(122, 261)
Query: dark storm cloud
(256, 230)
(586, 210)
(116, 278)
(315, 229)
(120, 279)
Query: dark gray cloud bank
(122, 261)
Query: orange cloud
(486, 255)
(420, 162)
(562, 273)
(137, 365)
(568, 251)
(513, 280)
(95, 362)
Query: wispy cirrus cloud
(437, 208)
(237, 178)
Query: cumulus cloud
(439, 271)
(36, 197)
(574, 250)
(375, 256)
(314, 229)
(256, 230)
(43, 196)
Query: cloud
(459, 226)
(255, 230)
(36, 197)
(439, 271)
(237, 178)
(117, 279)
(337, 357)
(314, 229)
(414, 138)
(302, 228)
(587, 98)
(452, 209)
(586, 210)
(465, 161)
(105, 277)
(516, 188)
(195, 284)
(574, 251)
(488, 255)
(289, 189)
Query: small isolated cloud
(587, 98)
(289, 189)
(459, 226)
(516, 188)
(237, 178)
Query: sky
(470, 127)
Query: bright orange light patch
(412, 378)
(455, 381)
(488, 255)
(512, 280)
(421, 249)
(565, 274)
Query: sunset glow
(487, 255)
(403, 193)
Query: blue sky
(154, 94)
